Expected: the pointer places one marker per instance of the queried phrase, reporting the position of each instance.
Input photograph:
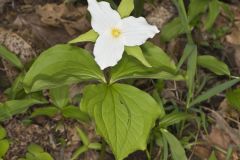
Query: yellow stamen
(116, 32)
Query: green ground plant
(128, 119)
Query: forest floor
(28, 27)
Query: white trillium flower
(115, 33)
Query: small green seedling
(61, 105)
(4, 143)
(36, 152)
(86, 145)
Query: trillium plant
(123, 114)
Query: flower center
(116, 32)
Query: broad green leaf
(4, 146)
(157, 57)
(126, 7)
(36, 152)
(3, 133)
(83, 136)
(4, 113)
(20, 106)
(174, 118)
(214, 10)
(90, 36)
(42, 156)
(233, 98)
(129, 68)
(196, 7)
(136, 52)
(213, 64)
(13, 107)
(213, 91)
(45, 111)
(34, 148)
(39, 156)
(177, 150)
(191, 72)
(30, 156)
(123, 115)
(61, 65)
(161, 63)
(74, 113)
(11, 57)
(59, 96)
(171, 30)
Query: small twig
(158, 154)
(176, 92)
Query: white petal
(103, 16)
(135, 31)
(108, 50)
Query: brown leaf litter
(18, 46)
(59, 139)
(72, 18)
(160, 13)
(233, 39)
(222, 136)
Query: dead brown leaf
(236, 12)
(234, 40)
(202, 151)
(227, 111)
(2, 3)
(234, 37)
(160, 14)
(40, 35)
(72, 18)
(222, 124)
(218, 138)
(17, 45)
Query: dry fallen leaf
(219, 138)
(2, 3)
(17, 45)
(234, 40)
(202, 151)
(40, 35)
(160, 14)
(72, 18)
(234, 37)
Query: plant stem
(148, 155)
(103, 151)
